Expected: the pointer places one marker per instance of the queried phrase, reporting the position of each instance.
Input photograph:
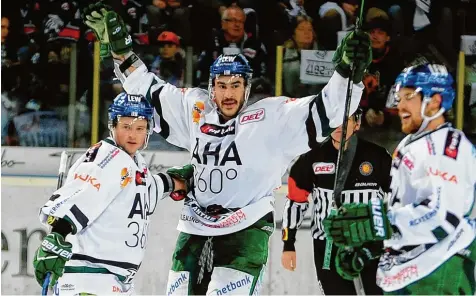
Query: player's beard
(411, 125)
(231, 112)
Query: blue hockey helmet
(429, 79)
(230, 65)
(234, 64)
(129, 105)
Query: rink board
(21, 231)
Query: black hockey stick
(63, 168)
(337, 192)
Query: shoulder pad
(92, 152)
(452, 142)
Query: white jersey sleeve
(444, 192)
(302, 123)
(92, 183)
(174, 107)
(160, 187)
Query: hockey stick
(63, 167)
(337, 192)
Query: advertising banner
(43, 162)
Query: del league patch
(323, 168)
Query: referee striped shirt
(313, 175)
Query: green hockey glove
(184, 173)
(109, 28)
(354, 49)
(349, 263)
(51, 256)
(357, 223)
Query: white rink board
(22, 197)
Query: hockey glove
(349, 264)
(51, 256)
(185, 174)
(108, 27)
(357, 223)
(354, 49)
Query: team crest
(366, 168)
(197, 111)
(125, 177)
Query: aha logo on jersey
(88, 179)
(252, 116)
(125, 177)
(323, 168)
(197, 111)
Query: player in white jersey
(239, 152)
(100, 216)
(429, 224)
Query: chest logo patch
(366, 168)
(252, 116)
(323, 168)
(217, 131)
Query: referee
(365, 174)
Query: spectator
(386, 65)
(172, 15)
(169, 64)
(232, 38)
(303, 37)
(13, 40)
(335, 17)
(5, 30)
(61, 20)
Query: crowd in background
(37, 39)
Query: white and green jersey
(431, 205)
(108, 197)
(238, 163)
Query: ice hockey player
(366, 168)
(239, 153)
(100, 216)
(429, 224)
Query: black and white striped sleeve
(300, 184)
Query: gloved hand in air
(109, 28)
(355, 49)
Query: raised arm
(307, 121)
(173, 106)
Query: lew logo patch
(323, 168)
(252, 116)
